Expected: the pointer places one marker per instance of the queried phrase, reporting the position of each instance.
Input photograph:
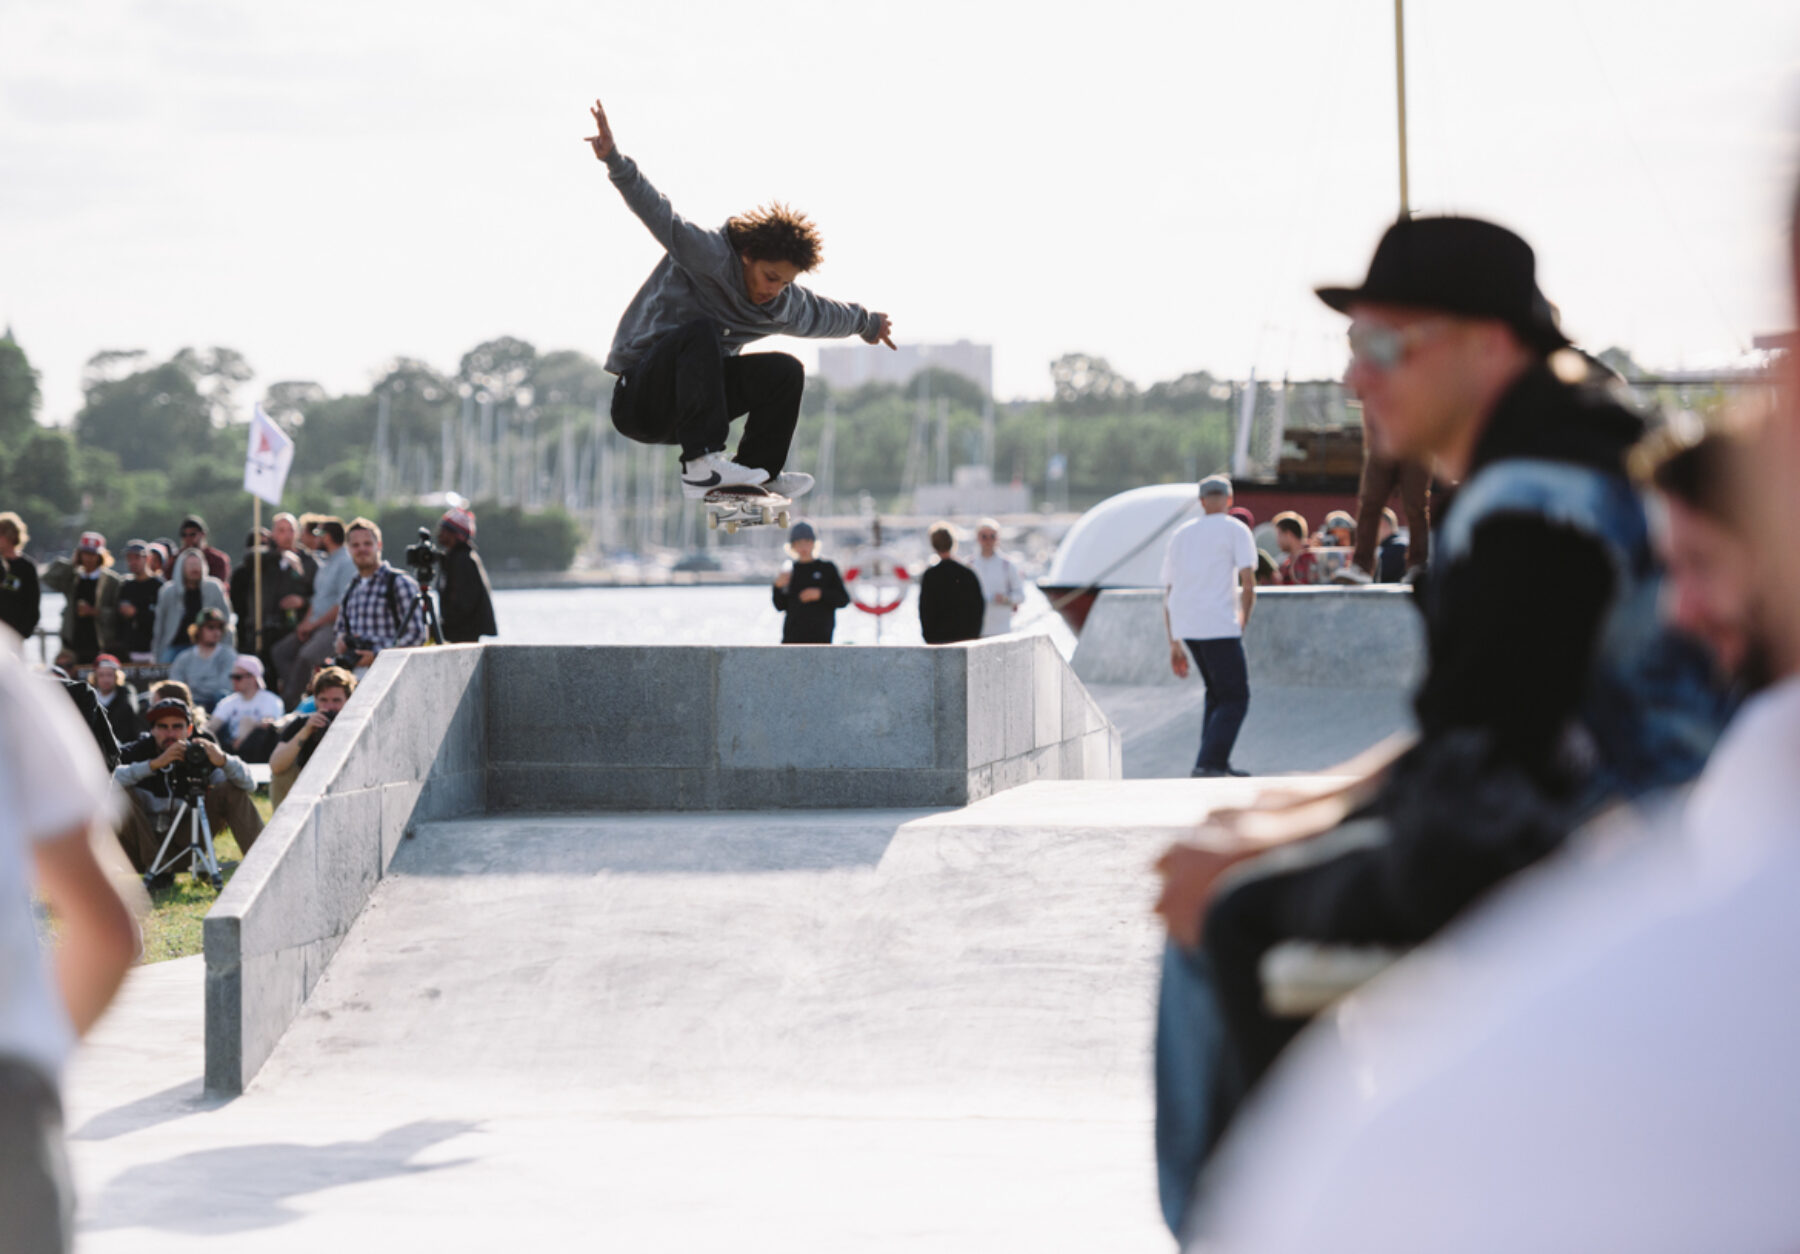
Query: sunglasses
(1387, 348)
(239, 675)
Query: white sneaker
(790, 483)
(1355, 576)
(715, 470)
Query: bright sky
(323, 185)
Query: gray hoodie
(702, 277)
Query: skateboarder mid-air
(677, 351)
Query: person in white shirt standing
(1209, 589)
(53, 786)
(1002, 588)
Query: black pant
(686, 391)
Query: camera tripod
(199, 846)
(434, 632)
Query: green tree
(19, 397)
(1085, 384)
(152, 419)
(499, 367)
(568, 378)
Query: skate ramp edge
(409, 747)
(448, 732)
(1326, 637)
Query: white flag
(271, 453)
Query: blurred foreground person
(1603, 1058)
(1550, 688)
(52, 790)
(1707, 540)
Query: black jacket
(88, 702)
(811, 622)
(1512, 630)
(466, 598)
(21, 600)
(951, 605)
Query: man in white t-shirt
(53, 786)
(248, 710)
(1209, 589)
(1002, 589)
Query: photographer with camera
(463, 590)
(171, 763)
(383, 608)
(301, 734)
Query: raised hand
(602, 138)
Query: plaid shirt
(369, 613)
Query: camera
(188, 775)
(353, 645)
(423, 558)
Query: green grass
(172, 928)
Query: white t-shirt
(1607, 1057)
(52, 779)
(1200, 570)
(237, 712)
(999, 577)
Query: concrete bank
(1332, 671)
(441, 733)
(869, 1030)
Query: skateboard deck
(745, 506)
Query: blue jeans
(1227, 679)
(1190, 1041)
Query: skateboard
(745, 506)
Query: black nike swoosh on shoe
(711, 481)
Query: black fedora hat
(1460, 266)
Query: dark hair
(776, 233)
(1704, 474)
(943, 538)
(332, 528)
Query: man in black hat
(1526, 726)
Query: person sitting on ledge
(1527, 726)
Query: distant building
(849, 366)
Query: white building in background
(847, 366)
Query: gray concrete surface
(440, 732)
(784, 727)
(852, 1030)
(408, 747)
(1332, 671)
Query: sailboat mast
(1400, 89)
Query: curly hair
(776, 233)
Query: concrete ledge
(282, 917)
(768, 727)
(440, 733)
(1329, 637)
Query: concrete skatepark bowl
(559, 1023)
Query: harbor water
(715, 614)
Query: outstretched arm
(692, 247)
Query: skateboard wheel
(731, 528)
(712, 522)
(783, 520)
(768, 514)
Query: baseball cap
(802, 531)
(1215, 485)
(160, 710)
(91, 542)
